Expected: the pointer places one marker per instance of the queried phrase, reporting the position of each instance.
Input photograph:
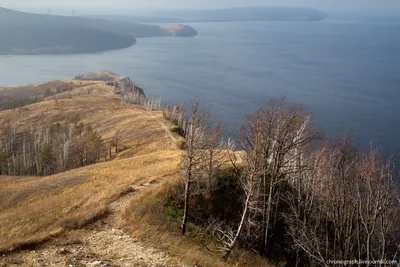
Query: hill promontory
(26, 33)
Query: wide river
(345, 71)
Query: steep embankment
(38, 34)
(33, 209)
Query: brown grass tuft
(83, 217)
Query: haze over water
(345, 71)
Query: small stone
(17, 262)
(95, 263)
(63, 251)
(37, 260)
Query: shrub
(174, 212)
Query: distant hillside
(230, 14)
(251, 14)
(59, 39)
(34, 33)
(15, 97)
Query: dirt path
(162, 124)
(101, 244)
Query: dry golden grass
(100, 76)
(33, 209)
(10, 94)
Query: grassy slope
(33, 208)
(26, 93)
(33, 91)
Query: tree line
(18, 97)
(133, 94)
(290, 193)
(48, 149)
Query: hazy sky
(345, 5)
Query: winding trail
(168, 132)
(101, 244)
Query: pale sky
(343, 5)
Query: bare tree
(377, 207)
(152, 104)
(248, 184)
(274, 139)
(205, 150)
(215, 154)
(345, 207)
(175, 114)
(195, 141)
(116, 141)
(316, 217)
(44, 150)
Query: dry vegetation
(290, 196)
(33, 209)
(97, 76)
(295, 196)
(161, 216)
(49, 208)
(14, 97)
(148, 218)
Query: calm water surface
(347, 72)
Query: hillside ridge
(75, 217)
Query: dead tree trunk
(242, 220)
(186, 206)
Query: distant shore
(31, 34)
(22, 53)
